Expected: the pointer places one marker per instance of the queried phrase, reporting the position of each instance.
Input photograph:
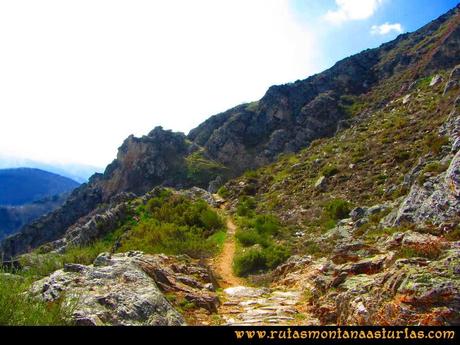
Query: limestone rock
(125, 289)
(113, 292)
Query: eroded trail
(222, 265)
(244, 305)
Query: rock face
(291, 116)
(142, 163)
(437, 200)
(379, 290)
(126, 289)
(288, 118)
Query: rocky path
(223, 263)
(245, 305)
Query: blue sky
(78, 77)
(352, 36)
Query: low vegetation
(260, 240)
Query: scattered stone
(321, 184)
(435, 80)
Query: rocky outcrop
(143, 163)
(291, 116)
(380, 290)
(437, 200)
(79, 235)
(126, 289)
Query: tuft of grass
(435, 168)
(337, 209)
(329, 171)
(17, 308)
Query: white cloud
(77, 77)
(348, 10)
(386, 28)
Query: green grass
(200, 170)
(434, 168)
(17, 308)
(337, 209)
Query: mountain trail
(245, 305)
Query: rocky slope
(287, 119)
(13, 218)
(374, 211)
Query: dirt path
(244, 305)
(223, 264)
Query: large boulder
(127, 289)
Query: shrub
(257, 259)
(251, 261)
(454, 234)
(433, 167)
(433, 143)
(329, 170)
(174, 224)
(338, 209)
(223, 192)
(266, 224)
(154, 237)
(248, 238)
(276, 255)
(245, 208)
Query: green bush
(433, 167)
(251, 261)
(257, 259)
(266, 224)
(223, 192)
(246, 207)
(337, 209)
(329, 170)
(433, 143)
(248, 238)
(276, 255)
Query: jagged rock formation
(126, 289)
(288, 118)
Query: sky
(78, 77)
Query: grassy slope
(364, 165)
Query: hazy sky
(77, 77)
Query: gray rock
(435, 80)
(114, 291)
(357, 213)
(321, 184)
(454, 80)
(435, 202)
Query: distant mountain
(13, 218)
(25, 185)
(77, 172)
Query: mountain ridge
(288, 118)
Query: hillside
(13, 218)
(287, 119)
(24, 185)
(338, 203)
